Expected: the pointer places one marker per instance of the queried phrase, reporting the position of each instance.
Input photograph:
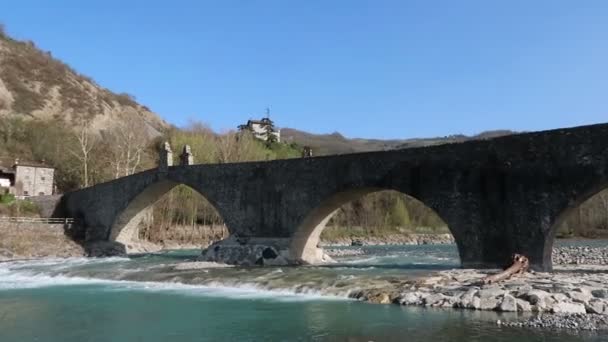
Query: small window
(41, 194)
(42, 178)
(25, 193)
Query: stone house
(261, 129)
(24, 179)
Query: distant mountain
(335, 143)
(36, 85)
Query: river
(143, 298)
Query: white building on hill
(262, 129)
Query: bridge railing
(44, 220)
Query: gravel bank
(580, 255)
(563, 321)
(568, 290)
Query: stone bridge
(498, 196)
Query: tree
(126, 143)
(238, 147)
(398, 214)
(86, 140)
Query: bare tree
(237, 147)
(86, 141)
(127, 141)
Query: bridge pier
(490, 243)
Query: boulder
(488, 303)
(508, 304)
(600, 293)
(464, 300)
(580, 295)
(565, 307)
(523, 306)
(491, 292)
(596, 306)
(410, 298)
(379, 298)
(534, 296)
(475, 303)
(434, 299)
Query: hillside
(33, 84)
(335, 143)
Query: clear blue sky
(383, 69)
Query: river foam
(28, 275)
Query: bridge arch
(594, 194)
(125, 227)
(307, 235)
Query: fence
(44, 220)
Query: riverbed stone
(491, 292)
(580, 296)
(465, 298)
(410, 298)
(600, 293)
(475, 303)
(508, 304)
(379, 298)
(488, 303)
(434, 299)
(535, 296)
(596, 306)
(559, 297)
(523, 306)
(565, 307)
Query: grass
(9, 206)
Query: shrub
(7, 199)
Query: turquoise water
(144, 299)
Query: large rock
(434, 299)
(564, 307)
(580, 295)
(535, 297)
(508, 304)
(379, 298)
(475, 303)
(248, 252)
(491, 292)
(465, 299)
(523, 306)
(600, 293)
(596, 306)
(410, 298)
(488, 303)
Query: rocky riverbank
(35, 241)
(568, 290)
(577, 321)
(393, 239)
(580, 255)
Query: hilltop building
(263, 129)
(26, 179)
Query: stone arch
(125, 226)
(564, 212)
(306, 237)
